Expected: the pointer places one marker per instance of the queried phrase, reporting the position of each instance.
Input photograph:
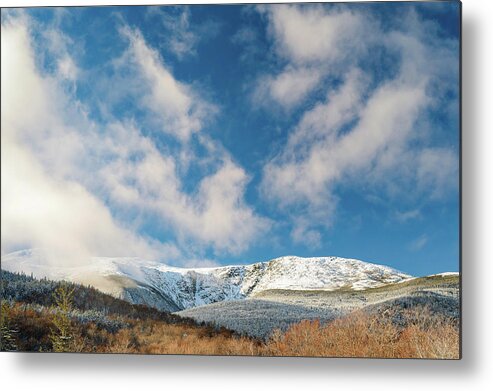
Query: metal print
(264, 180)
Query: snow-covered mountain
(173, 289)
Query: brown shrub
(362, 335)
(162, 338)
(422, 335)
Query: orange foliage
(358, 335)
(361, 335)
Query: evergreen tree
(7, 340)
(61, 335)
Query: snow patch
(193, 287)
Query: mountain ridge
(172, 288)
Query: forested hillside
(44, 316)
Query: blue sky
(232, 134)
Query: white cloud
(177, 34)
(287, 88)
(313, 34)
(180, 112)
(58, 166)
(40, 206)
(308, 237)
(319, 154)
(365, 133)
(67, 68)
(215, 214)
(248, 39)
(62, 217)
(245, 35)
(314, 42)
(182, 40)
(419, 243)
(58, 45)
(326, 118)
(437, 170)
(408, 215)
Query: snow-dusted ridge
(444, 274)
(173, 288)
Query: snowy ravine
(173, 289)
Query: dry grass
(422, 335)
(358, 335)
(162, 338)
(362, 335)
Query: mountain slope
(269, 310)
(173, 289)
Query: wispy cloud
(68, 181)
(42, 205)
(288, 88)
(178, 109)
(419, 243)
(313, 34)
(131, 140)
(313, 42)
(180, 36)
(408, 215)
(366, 132)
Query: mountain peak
(175, 288)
